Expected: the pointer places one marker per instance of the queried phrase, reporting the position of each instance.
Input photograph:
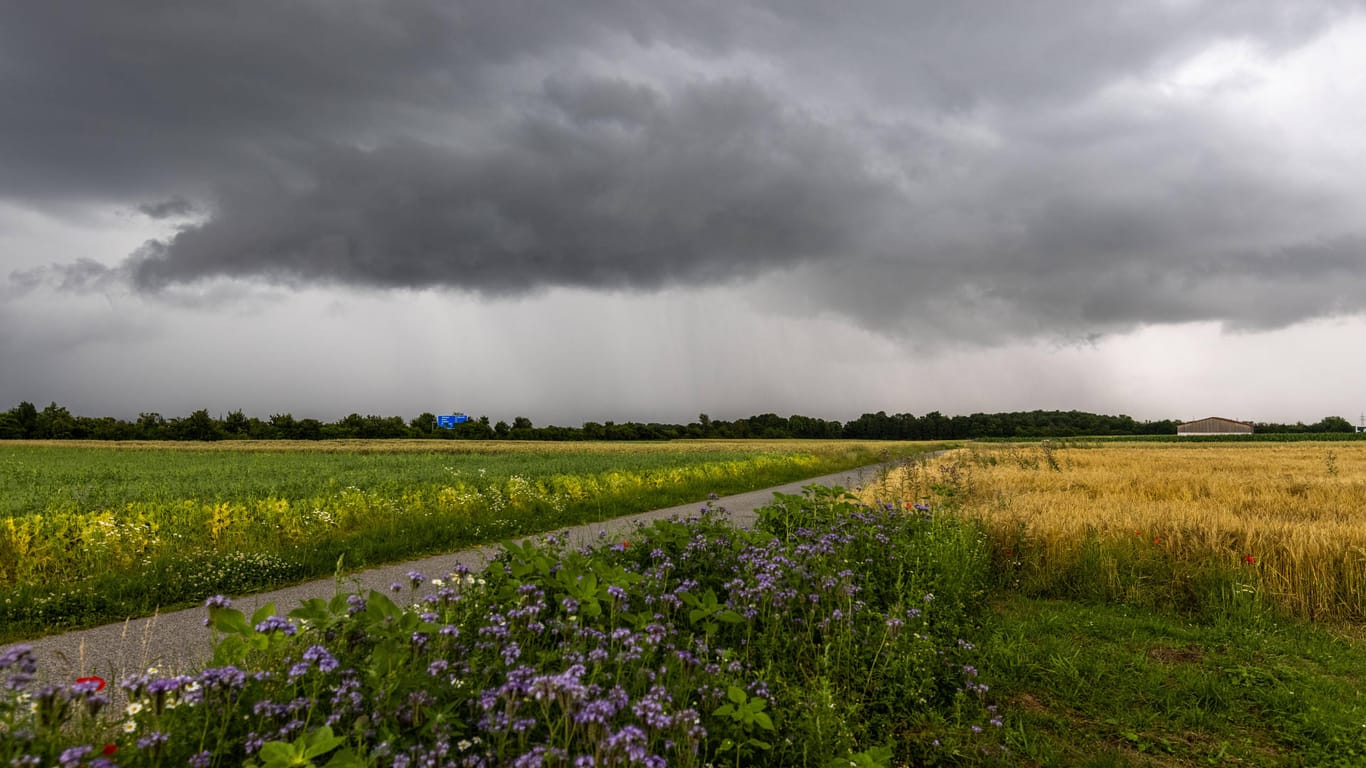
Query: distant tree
(308, 429)
(236, 423)
(475, 429)
(617, 431)
(423, 424)
(199, 426)
(260, 430)
(501, 429)
(351, 425)
(26, 414)
(522, 429)
(55, 423)
(10, 428)
(1333, 424)
(106, 428)
(284, 425)
(151, 426)
(383, 427)
(768, 425)
(704, 421)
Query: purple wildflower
(322, 657)
(152, 740)
(276, 623)
(74, 755)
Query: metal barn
(1214, 426)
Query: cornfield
(1288, 520)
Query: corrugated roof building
(1214, 426)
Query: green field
(95, 532)
(832, 633)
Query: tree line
(26, 422)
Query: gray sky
(624, 210)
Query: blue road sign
(449, 422)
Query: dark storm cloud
(161, 98)
(957, 167)
(615, 186)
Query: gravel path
(178, 641)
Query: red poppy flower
(1157, 539)
(625, 543)
(109, 749)
(92, 679)
(1009, 552)
(1249, 559)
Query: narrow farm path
(178, 641)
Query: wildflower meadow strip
(833, 631)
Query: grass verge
(1089, 684)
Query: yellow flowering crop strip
(227, 518)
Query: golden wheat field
(1291, 515)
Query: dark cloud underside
(981, 169)
(616, 186)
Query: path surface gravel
(178, 642)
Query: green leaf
(277, 754)
(312, 610)
(229, 620)
(763, 720)
(320, 742)
(737, 694)
(378, 606)
(345, 758)
(263, 613)
(730, 617)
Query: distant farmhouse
(1214, 426)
